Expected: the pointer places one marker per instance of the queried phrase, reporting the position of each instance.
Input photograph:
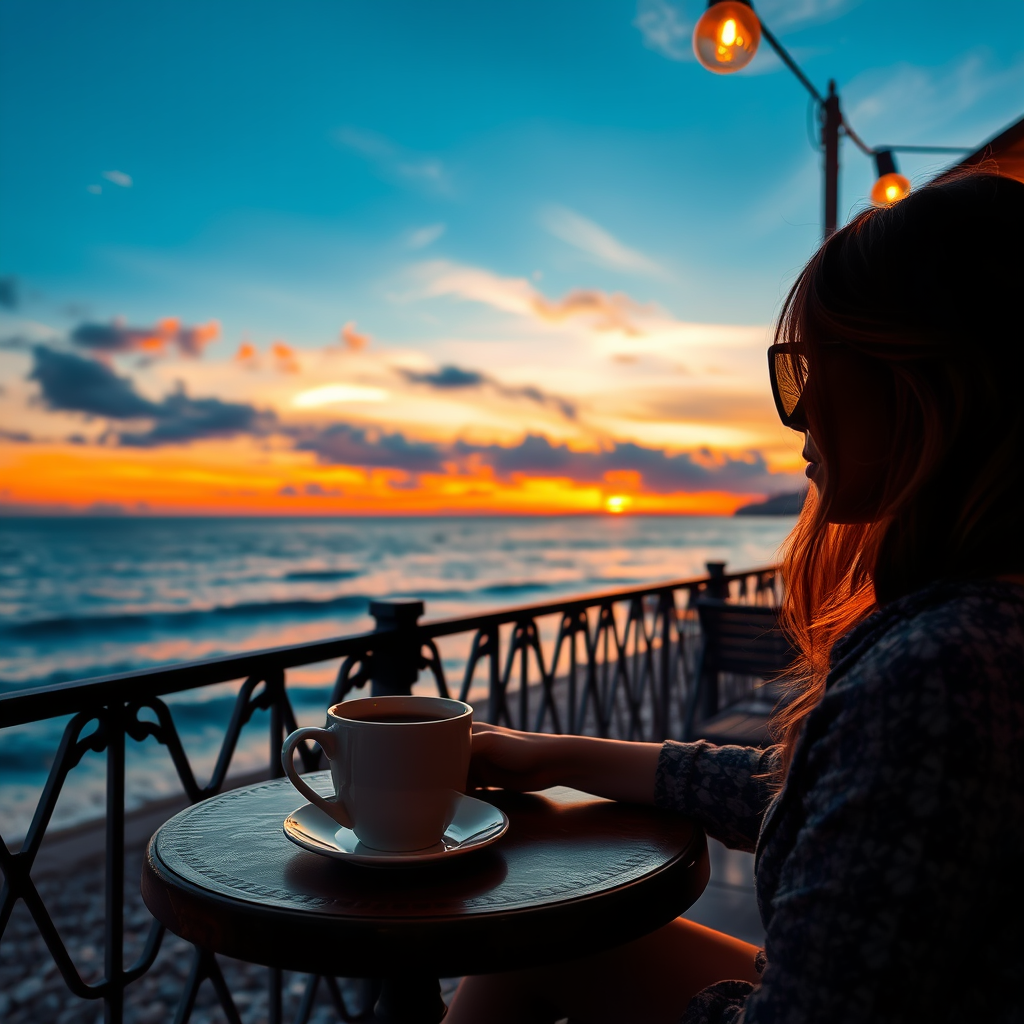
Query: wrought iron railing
(612, 664)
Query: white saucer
(476, 824)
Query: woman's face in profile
(858, 421)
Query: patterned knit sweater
(890, 868)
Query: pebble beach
(69, 875)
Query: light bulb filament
(729, 32)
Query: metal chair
(743, 640)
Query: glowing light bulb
(889, 189)
(891, 186)
(726, 37)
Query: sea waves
(82, 598)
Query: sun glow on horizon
(217, 480)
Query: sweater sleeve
(724, 788)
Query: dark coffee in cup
(399, 719)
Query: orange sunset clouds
(585, 402)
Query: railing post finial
(718, 587)
(395, 665)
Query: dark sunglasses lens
(790, 376)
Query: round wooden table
(573, 875)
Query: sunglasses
(787, 369)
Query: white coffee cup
(399, 766)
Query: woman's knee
(651, 979)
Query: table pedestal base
(410, 999)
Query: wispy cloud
(348, 445)
(661, 471)
(71, 383)
(395, 161)
(915, 104)
(446, 378)
(281, 358)
(780, 14)
(456, 378)
(247, 355)
(369, 144)
(509, 294)
(665, 29)
(592, 239)
(118, 178)
(310, 490)
(602, 311)
(170, 332)
(354, 340)
(286, 359)
(536, 456)
(422, 237)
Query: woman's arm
(724, 788)
(528, 761)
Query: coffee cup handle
(326, 740)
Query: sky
(362, 258)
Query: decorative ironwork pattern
(612, 664)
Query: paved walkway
(728, 903)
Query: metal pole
(789, 62)
(831, 119)
(831, 123)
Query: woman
(888, 823)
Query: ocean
(83, 597)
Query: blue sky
(285, 169)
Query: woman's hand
(529, 761)
(523, 761)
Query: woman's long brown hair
(930, 292)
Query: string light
(726, 37)
(891, 186)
